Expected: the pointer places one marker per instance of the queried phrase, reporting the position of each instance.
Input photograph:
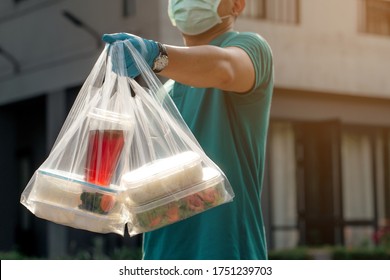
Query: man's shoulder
(245, 36)
(246, 39)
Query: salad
(181, 209)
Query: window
(285, 11)
(284, 190)
(357, 161)
(364, 187)
(329, 183)
(375, 17)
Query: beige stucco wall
(326, 52)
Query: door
(319, 182)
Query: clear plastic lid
(211, 178)
(75, 183)
(160, 169)
(103, 119)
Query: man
(223, 88)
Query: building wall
(325, 51)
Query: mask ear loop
(233, 14)
(225, 17)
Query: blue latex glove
(147, 48)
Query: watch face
(160, 63)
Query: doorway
(318, 175)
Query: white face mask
(193, 17)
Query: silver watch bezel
(161, 60)
(160, 63)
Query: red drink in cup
(107, 132)
(104, 148)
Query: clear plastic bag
(124, 156)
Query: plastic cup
(108, 132)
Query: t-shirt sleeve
(259, 52)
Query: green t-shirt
(232, 130)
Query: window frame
(367, 14)
(263, 13)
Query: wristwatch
(161, 61)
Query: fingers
(108, 38)
(111, 38)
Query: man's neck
(206, 37)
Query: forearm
(210, 66)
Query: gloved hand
(147, 48)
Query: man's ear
(238, 7)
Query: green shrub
(13, 255)
(377, 253)
(335, 253)
(126, 254)
(299, 253)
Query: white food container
(162, 177)
(206, 194)
(57, 187)
(80, 219)
(66, 199)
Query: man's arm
(210, 66)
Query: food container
(73, 217)
(162, 177)
(65, 198)
(206, 194)
(57, 187)
(53, 213)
